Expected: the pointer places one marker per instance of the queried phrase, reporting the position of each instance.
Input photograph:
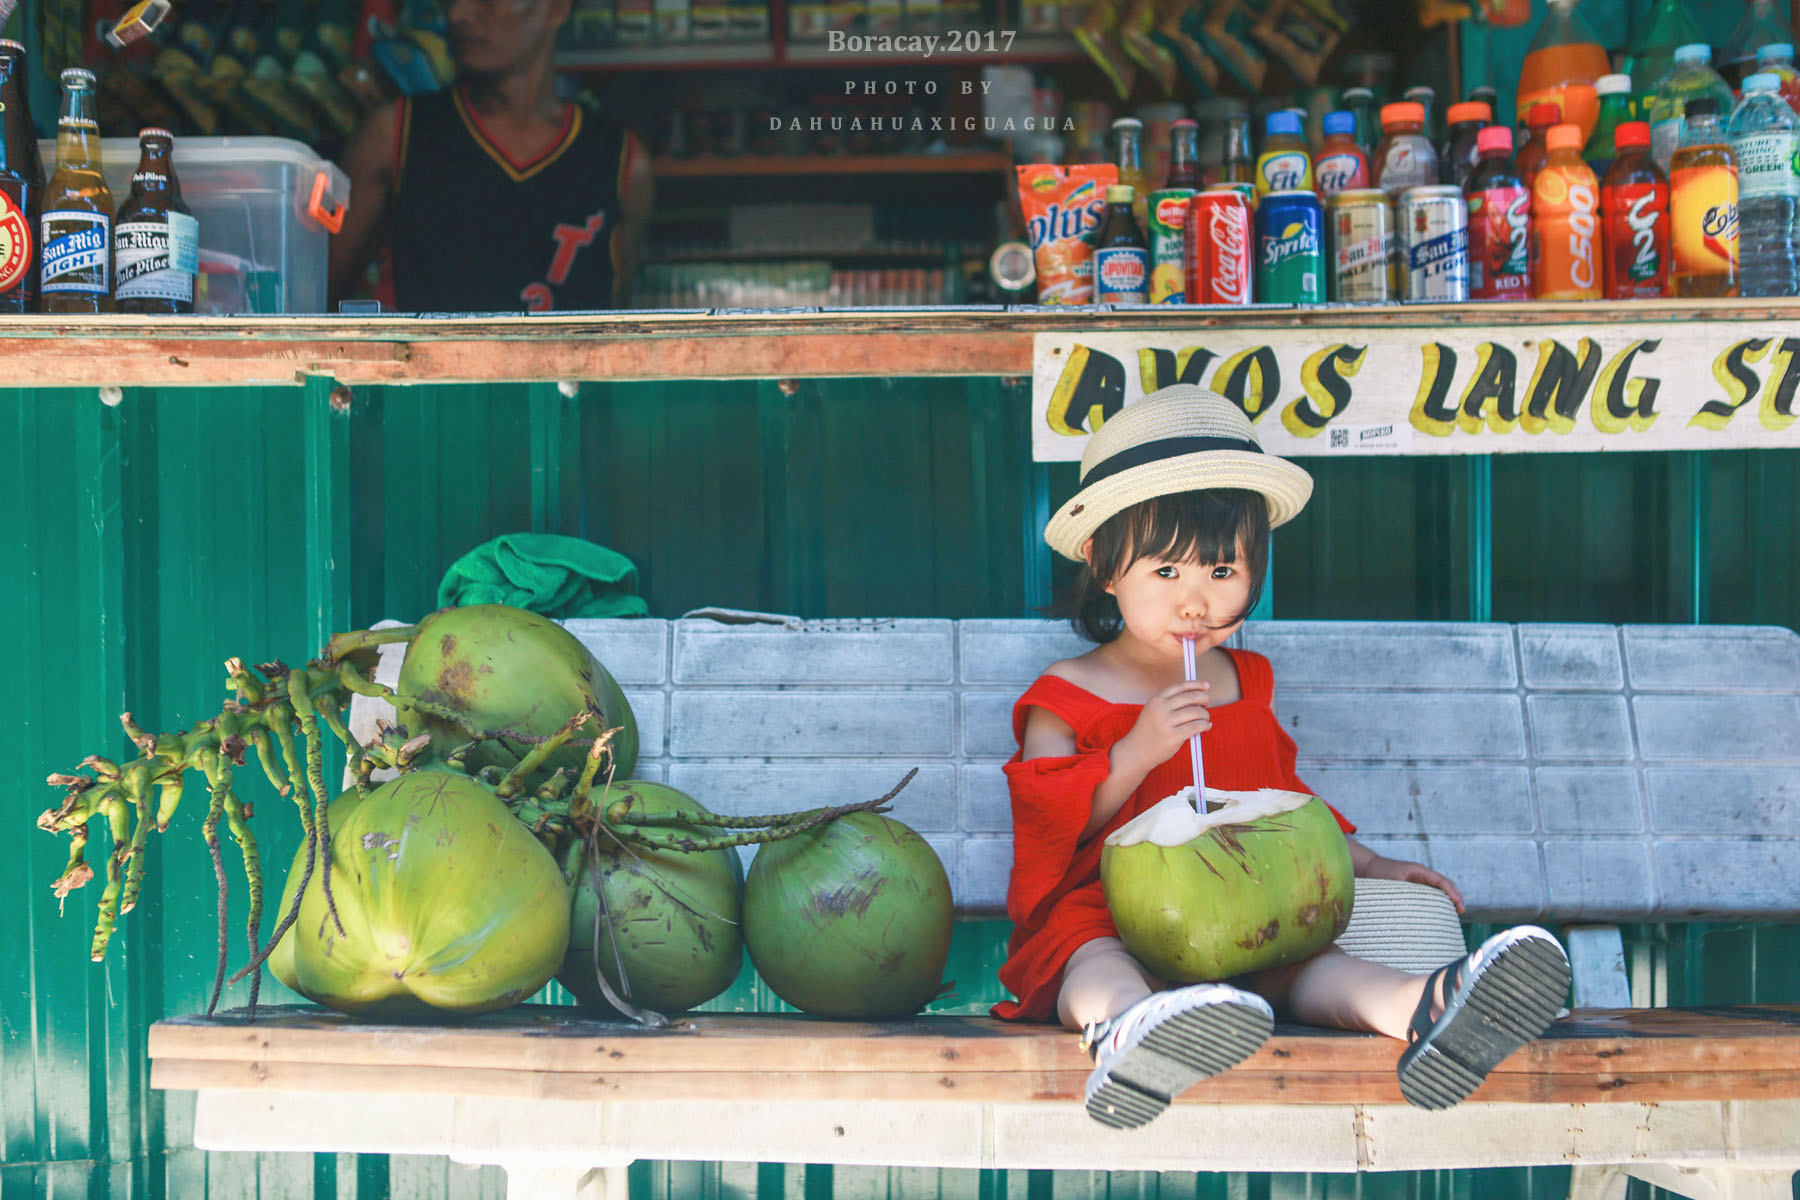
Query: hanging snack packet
(1063, 208)
(1226, 32)
(1178, 29)
(1143, 49)
(1098, 35)
(1301, 35)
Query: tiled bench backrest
(1611, 772)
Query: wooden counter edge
(118, 351)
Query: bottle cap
(1563, 137)
(1776, 50)
(1359, 92)
(1403, 113)
(154, 131)
(1470, 110)
(1127, 123)
(1184, 123)
(1281, 122)
(77, 76)
(1613, 85)
(1340, 122)
(1494, 137)
(1762, 81)
(1632, 133)
(1543, 114)
(9, 44)
(1120, 193)
(1421, 93)
(1702, 106)
(1693, 52)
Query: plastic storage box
(267, 208)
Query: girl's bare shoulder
(1083, 670)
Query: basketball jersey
(473, 231)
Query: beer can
(1290, 248)
(1168, 224)
(1219, 243)
(1359, 243)
(1434, 244)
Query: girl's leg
(1101, 981)
(1341, 991)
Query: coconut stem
(799, 823)
(343, 645)
(514, 781)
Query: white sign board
(1322, 390)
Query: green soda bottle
(1615, 110)
(1691, 79)
(1652, 52)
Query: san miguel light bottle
(1634, 202)
(76, 228)
(156, 240)
(21, 187)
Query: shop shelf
(976, 163)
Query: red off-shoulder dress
(1054, 896)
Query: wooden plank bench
(1570, 774)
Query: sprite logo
(1296, 239)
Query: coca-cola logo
(1231, 255)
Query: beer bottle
(156, 242)
(21, 187)
(77, 221)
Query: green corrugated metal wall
(155, 538)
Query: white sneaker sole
(1197, 1037)
(1512, 997)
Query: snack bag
(1172, 31)
(1300, 35)
(1098, 35)
(1226, 32)
(1143, 49)
(1063, 208)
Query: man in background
(494, 195)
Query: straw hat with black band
(1182, 438)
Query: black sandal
(1496, 1000)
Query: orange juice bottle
(1703, 197)
(1564, 63)
(1565, 222)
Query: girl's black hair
(1205, 526)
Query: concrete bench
(1570, 774)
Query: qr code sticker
(1340, 439)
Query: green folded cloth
(547, 573)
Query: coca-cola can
(1219, 247)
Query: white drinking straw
(1187, 665)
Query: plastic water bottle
(1692, 78)
(1761, 130)
(1777, 59)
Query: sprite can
(1290, 248)
(1168, 222)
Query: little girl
(1172, 522)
